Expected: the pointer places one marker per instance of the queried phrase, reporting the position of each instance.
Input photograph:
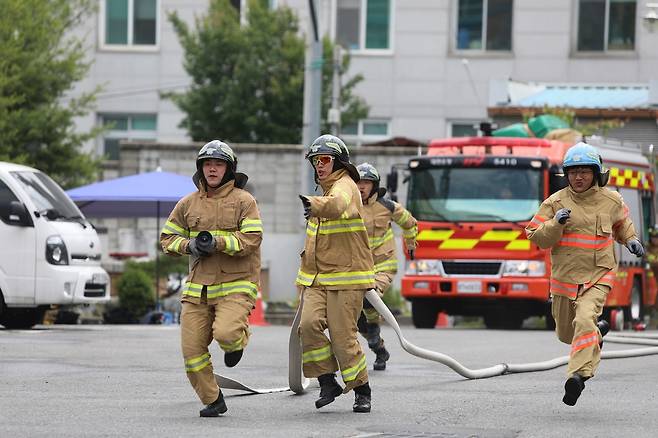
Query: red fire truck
(473, 197)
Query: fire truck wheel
(550, 321)
(424, 314)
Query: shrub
(136, 295)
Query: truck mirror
(392, 181)
(18, 215)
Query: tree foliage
(136, 294)
(39, 64)
(248, 80)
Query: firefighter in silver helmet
(580, 224)
(336, 270)
(219, 227)
(378, 214)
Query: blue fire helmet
(582, 154)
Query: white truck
(49, 253)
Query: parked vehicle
(473, 197)
(50, 253)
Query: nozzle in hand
(562, 215)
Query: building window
(363, 24)
(606, 25)
(484, 25)
(124, 127)
(463, 129)
(129, 23)
(366, 131)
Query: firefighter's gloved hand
(562, 215)
(203, 245)
(307, 206)
(635, 247)
(412, 253)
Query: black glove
(412, 254)
(635, 247)
(562, 215)
(203, 245)
(307, 206)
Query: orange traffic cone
(257, 316)
(443, 320)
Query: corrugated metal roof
(586, 96)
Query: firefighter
(580, 224)
(652, 250)
(336, 270)
(219, 227)
(378, 213)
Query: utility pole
(334, 112)
(313, 79)
(312, 92)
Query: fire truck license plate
(469, 287)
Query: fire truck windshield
(475, 194)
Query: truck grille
(93, 290)
(471, 268)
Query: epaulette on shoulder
(390, 205)
(612, 194)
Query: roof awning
(587, 100)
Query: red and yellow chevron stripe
(510, 240)
(635, 179)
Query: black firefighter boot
(372, 335)
(329, 390)
(382, 356)
(604, 328)
(232, 358)
(573, 388)
(215, 408)
(362, 398)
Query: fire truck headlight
(527, 268)
(422, 267)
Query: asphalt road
(93, 381)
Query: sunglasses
(579, 172)
(322, 159)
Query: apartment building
(432, 68)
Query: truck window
(49, 199)
(465, 194)
(6, 196)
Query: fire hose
(298, 383)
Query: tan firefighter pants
(226, 321)
(338, 312)
(383, 281)
(575, 324)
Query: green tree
(248, 80)
(40, 61)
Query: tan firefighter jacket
(377, 215)
(336, 253)
(232, 217)
(582, 250)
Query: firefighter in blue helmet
(579, 224)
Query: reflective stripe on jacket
(380, 233)
(582, 250)
(232, 217)
(336, 253)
